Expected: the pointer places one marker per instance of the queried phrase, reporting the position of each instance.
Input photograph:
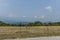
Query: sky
(30, 10)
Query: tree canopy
(36, 23)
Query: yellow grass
(22, 32)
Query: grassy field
(11, 32)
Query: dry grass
(22, 32)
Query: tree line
(36, 23)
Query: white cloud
(24, 16)
(35, 16)
(43, 16)
(49, 8)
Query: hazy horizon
(30, 10)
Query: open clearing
(12, 32)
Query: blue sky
(30, 10)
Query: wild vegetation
(31, 29)
(23, 32)
(36, 23)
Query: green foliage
(30, 24)
(36, 23)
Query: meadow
(12, 32)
